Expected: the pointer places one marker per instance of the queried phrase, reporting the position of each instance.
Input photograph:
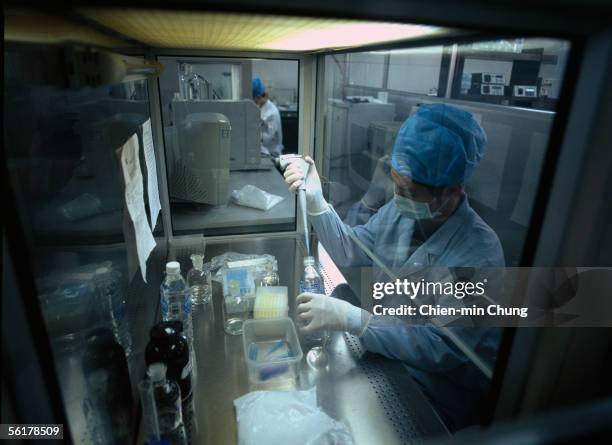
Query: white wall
(415, 71)
(280, 78)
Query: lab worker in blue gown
(428, 224)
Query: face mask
(413, 209)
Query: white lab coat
(271, 130)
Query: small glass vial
(199, 281)
(270, 278)
(235, 309)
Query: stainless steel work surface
(190, 217)
(357, 388)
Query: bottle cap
(197, 260)
(173, 267)
(309, 261)
(157, 371)
(166, 331)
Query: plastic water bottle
(311, 280)
(107, 283)
(176, 301)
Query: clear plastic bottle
(199, 281)
(312, 282)
(107, 283)
(271, 276)
(167, 395)
(176, 301)
(235, 309)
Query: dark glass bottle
(169, 346)
(108, 404)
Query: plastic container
(271, 302)
(235, 310)
(272, 353)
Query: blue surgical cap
(439, 145)
(258, 87)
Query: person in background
(271, 131)
(429, 224)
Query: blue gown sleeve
(358, 214)
(422, 347)
(336, 238)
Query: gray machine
(245, 119)
(347, 136)
(348, 123)
(201, 172)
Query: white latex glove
(321, 313)
(294, 176)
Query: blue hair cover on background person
(439, 145)
(258, 87)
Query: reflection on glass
(221, 130)
(60, 152)
(418, 181)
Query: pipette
(284, 161)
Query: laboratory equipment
(169, 346)
(525, 91)
(184, 74)
(235, 309)
(108, 404)
(492, 90)
(175, 301)
(271, 301)
(272, 353)
(284, 161)
(245, 120)
(311, 282)
(195, 86)
(107, 283)
(199, 281)
(270, 277)
(201, 172)
(167, 396)
(348, 129)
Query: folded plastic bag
(251, 196)
(287, 417)
(228, 259)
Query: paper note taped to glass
(251, 196)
